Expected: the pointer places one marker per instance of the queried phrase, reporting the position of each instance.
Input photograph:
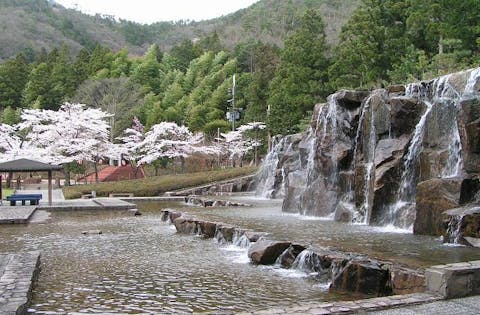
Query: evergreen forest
(382, 42)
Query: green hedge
(154, 186)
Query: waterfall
(241, 240)
(365, 152)
(472, 81)
(362, 215)
(322, 141)
(307, 261)
(400, 213)
(454, 165)
(454, 230)
(266, 178)
(438, 96)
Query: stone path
(17, 275)
(352, 307)
(410, 304)
(89, 204)
(17, 214)
(114, 203)
(463, 306)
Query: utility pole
(232, 113)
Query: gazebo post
(49, 187)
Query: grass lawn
(154, 186)
(6, 192)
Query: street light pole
(234, 114)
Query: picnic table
(32, 198)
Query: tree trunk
(9, 180)
(182, 164)
(67, 177)
(95, 167)
(440, 45)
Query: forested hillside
(384, 42)
(30, 25)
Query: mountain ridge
(30, 26)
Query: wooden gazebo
(26, 165)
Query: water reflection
(378, 242)
(140, 265)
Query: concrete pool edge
(17, 279)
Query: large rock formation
(435, 196)
(365, 152)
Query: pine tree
(301, 78)
(13, 78)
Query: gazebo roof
(26, 165)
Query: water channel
(141, 265)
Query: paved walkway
(57, 194)
(464, 306)
(16, 214)
(17, 275)
(409, 304)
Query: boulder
(344, 212)
(407, 281)
(462, 226)
(405, 114)
(469, 122)
(394, 89)
(173, 215)
(254, 236)
(224, 233)
(265, 252)
(207, 229)
(170, 215)
(287, 258)
(185, 225)
(433, 197)
(362, 277)
(469, 191)
(351, 99)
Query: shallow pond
(140, 264)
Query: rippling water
(386, 243)
(140, 265)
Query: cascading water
(241, 240)
(454, 230)
(365, 152)
(307, 261)
(362, 214)
(268, 173)
(442, 100)
(400, 212)
(321, 141)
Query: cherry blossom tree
(73, 133)
(14, 145)
(254, 127)
(131, 146)
(168, 140)
(238, 143)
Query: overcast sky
(149, 11)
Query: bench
(33, 198)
